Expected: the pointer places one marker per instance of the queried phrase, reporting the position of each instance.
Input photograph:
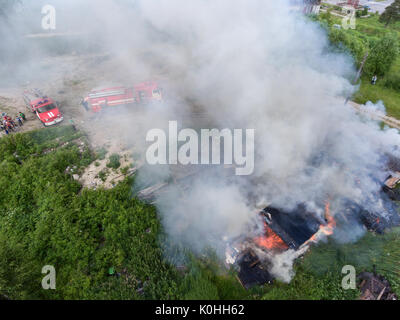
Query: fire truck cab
(141, 93)
(146, 92)
(45, 108)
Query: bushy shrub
(392, 81)
(46, 218)
(101, 153)
(383, 53)
(113, 161)
(349, 42)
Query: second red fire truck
(141, 93)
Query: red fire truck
(45, 108)
(141, 93)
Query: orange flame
(270, 240)
(327, 228)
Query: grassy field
(374, 93)
(318, 274)
(373, 27)
(391, 98)
(369, 30)
(47, 218)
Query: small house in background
(312, 6)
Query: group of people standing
(8, 124)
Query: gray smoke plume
(256, 64)
(241, 64)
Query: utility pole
(359, 72)
(361, 68)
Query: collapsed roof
(295, 227)
(251, 271)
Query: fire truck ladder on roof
(106, 94)
(34, 93)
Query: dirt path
(376, 115)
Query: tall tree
(391, 13)
(383, 53)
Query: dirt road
(376, 115)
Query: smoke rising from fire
(257, 65)
(244, 64)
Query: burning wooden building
(282, 230)
(296, 229)
(291, 228)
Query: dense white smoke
(245, 64)
(255, 64)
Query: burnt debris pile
(375, 287)
(251, 270)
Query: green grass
(306, 286)
(374, 93)
(103, 174)
(114, 161)
(372, 26)
(318, 274)
(369, 30)
(46, 218)
(101, 153)
(383, 251)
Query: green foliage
(208, 280)
(391, 13)
(392, 82)
(349, 42)
(40, 136)
(382, 56)
(113, 161)
(318, 275)
(306, 286)
(372, 36)
(103, 174)
(383, 251)
(374, 93)
(101, 153)
(125, 170)
(198, 285)
(327, 17)
(46, 219)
